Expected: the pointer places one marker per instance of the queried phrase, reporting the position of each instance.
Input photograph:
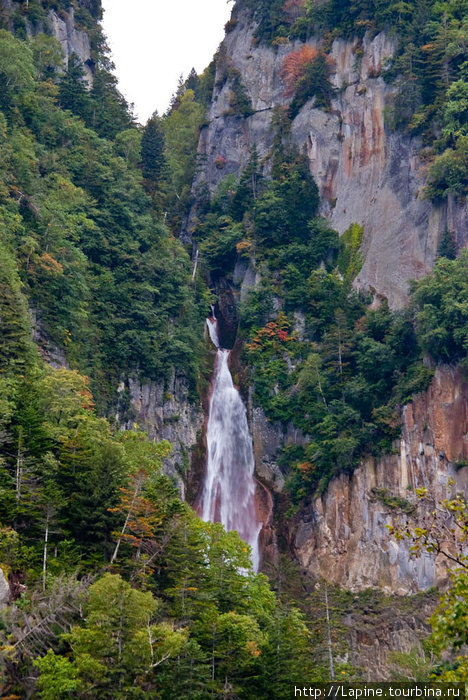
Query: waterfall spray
(229, 490)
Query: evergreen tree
(17, 70)
(109, 111)
(152, 150)
(73, 92)
(16, 350)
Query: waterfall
(229, 490)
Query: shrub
(294, 67)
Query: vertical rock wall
(164, 410)
(366, 173)
(4, 590)
(63, 27)
(343, 534)
(72, 40)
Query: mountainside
(372, 175)
(308, 194)
(75, 36)
(366, 172)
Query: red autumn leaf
(294, 67)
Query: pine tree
(109, 111)
(73, 93)
(16, 350)
(152, 150)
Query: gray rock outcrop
(366, 172)
(4, 590)
(72, 40)
(61, 25)
(164, 410)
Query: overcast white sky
(154, 41)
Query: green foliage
(392, 501)
(239, 101)
(181, 610)
(282, 213)
(448, 174)
(110, 111)
(456, 110)
(76, 212)
(314, 83)
(449, 628)
(73, 92)
(83, 228)
(199, 621)
(152, 150)
(16, 70)
(48, 56)
(219, 236)
(211, 626)
(350, 259)
(16, 349)
(343, 387)
(58, 677)
(448, 246)
(102, 108)
(441, 308)
(182, 128)
(271, 19)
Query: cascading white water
(229, 490)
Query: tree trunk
(130, 510)
(19, 464)
(329, 641)
(44, 561)
(195, 263)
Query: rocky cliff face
(343, 537)
(165, 411)
(366, 173)
(4, 590)
(72, 40)
(375, 176)
(63, 27)
(376, 632)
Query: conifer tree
(73, 93)
(109, 111)
(152, 150)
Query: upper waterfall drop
(212, 326)
(229, 490)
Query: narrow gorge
(229, 490)
(233, 355)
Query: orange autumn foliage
(50, 264)
(306, 468)
(294, 67)
(272, 336)
(244, 247)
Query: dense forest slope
(120, 589)
(298, 185)
(369, 101)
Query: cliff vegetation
(116, 589)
